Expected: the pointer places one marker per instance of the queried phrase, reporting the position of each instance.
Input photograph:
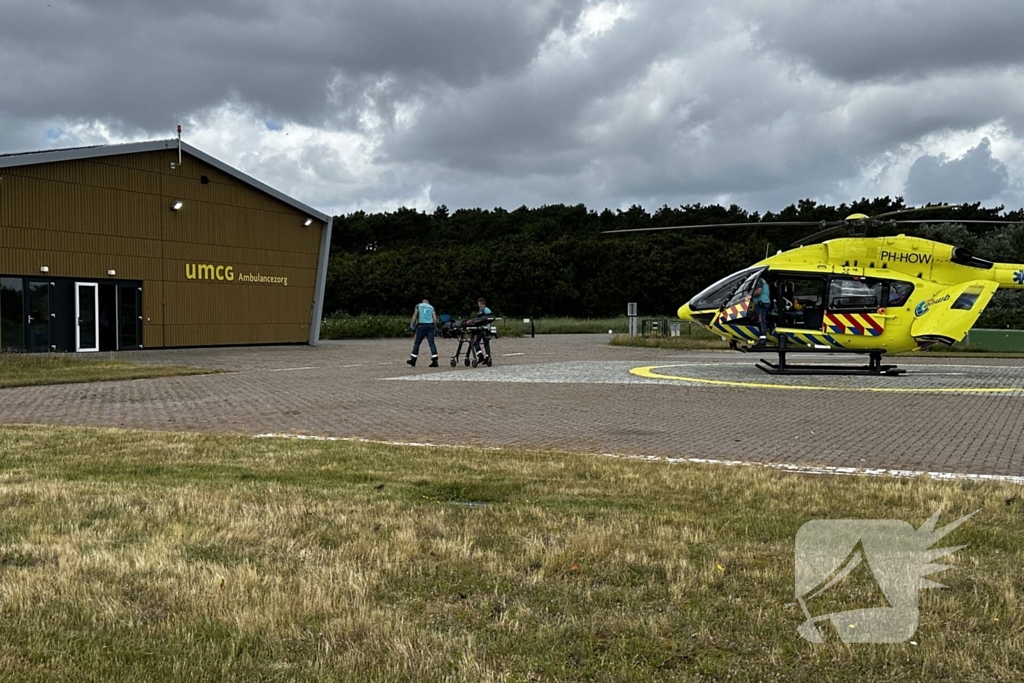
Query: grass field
(516, 326)
(18, 370)
(131, 556)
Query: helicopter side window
(717, 295)
(899, 293)
(854, 295)
(967, 299)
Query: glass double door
(25, 316)
(108, 316)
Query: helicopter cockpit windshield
(746, 289)
(718, 295)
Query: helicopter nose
(684, 312)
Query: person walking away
(424, 320)
(762, 300)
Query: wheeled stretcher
(471, 334)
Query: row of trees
(557, 261)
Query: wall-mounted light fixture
(309, 222)
(176, 206)
(111, 273)
(44, 269)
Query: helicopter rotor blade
(961, 220)
(717, 225)
(829, 228)
(921, 208)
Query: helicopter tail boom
(1009, 275)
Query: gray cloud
(976, 176)
(872, 39)
(485, 103)
(139, 62)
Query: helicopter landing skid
(874, 366)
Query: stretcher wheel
(474, 362)
(453, 362)
(467, 361)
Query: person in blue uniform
(762, 301)
(423, 322)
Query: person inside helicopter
(800, 300)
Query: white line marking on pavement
(364, 365)
(793, 469)
(253, 372)
(506, 355)
(828, 469)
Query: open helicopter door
(738, 306)
(948, 315)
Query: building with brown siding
(152, 245)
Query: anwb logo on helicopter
(925, 306)
(862, 577)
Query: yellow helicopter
(868, 295)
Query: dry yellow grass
(135, 556)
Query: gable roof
(94, 151)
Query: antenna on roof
(179, 139)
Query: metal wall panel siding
(83, 218)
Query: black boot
(412, 361)
(433, 361)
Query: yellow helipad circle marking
(650, 372)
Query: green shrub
(376, 327)
(379, 327)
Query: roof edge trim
(76, 153)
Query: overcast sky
(376, 104)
